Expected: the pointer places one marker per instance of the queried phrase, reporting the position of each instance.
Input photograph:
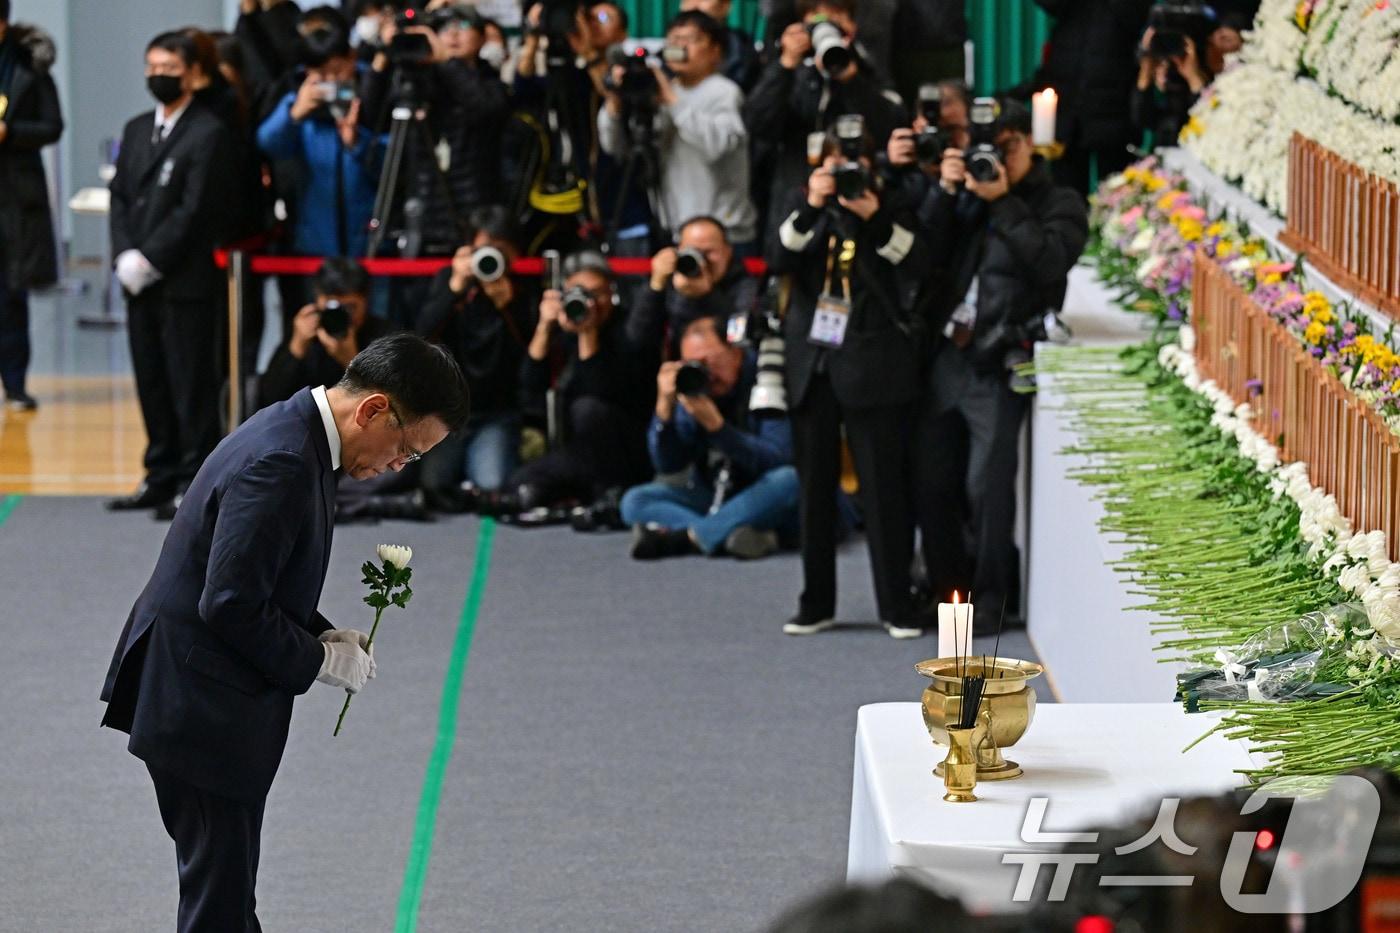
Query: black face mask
(165, 88)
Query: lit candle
(954, 624)
(1043, 117)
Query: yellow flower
(1273, 278)
(1223, 248)
(1324, 316)
(1192, 129)
(1252, 248)
(1315, 333)
(1216, 228)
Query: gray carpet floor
(638, 748)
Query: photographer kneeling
(604, 390)
(854, 334)
(484, 317)
(699, 277)
(740, 491)
(1011, 236)
(326, 336)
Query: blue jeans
(770, 504)
(486, 452)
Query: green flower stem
(368, 644)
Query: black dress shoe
(652, 542)
(20, 401)
(146, 496)
(165, 512)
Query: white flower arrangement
(1358, 561)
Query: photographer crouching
(698, 277)
(604, 394)
(724, 453)
(854, 336)
(326, 336)
(1009, 236)
(484, 316)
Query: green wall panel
(1008, 34)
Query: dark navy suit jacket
(224, 635)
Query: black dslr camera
(983, 155)
(693, 378)
(829, 45)
(690, 263)
(1172, 22)
(577, 301)
(852, 178)
(335, 319)
(929, 145)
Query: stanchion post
(237, 276)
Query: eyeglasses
(406, 454)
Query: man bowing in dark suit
(168, 205)
(226, 633)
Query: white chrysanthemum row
(1253, 113)
(1358, 561)
(1275, 40)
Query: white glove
(346, 665)
(351, 637)
(135, 272)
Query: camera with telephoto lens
(1171, 23)
(690, 263)
(335, 319)
(693, 378)
(829, 45)
(558, 18)
(983, 155)
(577, 302)
(761, 327)
(638, 88)
(852, 178)
(488, 264)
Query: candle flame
(955, 597)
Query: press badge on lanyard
(833, 313)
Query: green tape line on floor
(416, 871)
(7, 505)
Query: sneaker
(20, 401)
(903, 631)
(797, 625)
(749, 543)
(652, 542)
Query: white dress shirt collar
(323, 405)
(165, 125)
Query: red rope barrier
(308, 265)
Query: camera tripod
(641, 153)
(408, 121)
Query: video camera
(1171, 23)
(409, 49)
(637, 88)
(983, 154)
(829, 45)
(852, 178)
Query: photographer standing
(485, 318)
(734, 488)
(698, 277)
(796, 97)
(1011, 236)
(698, 130)
(168, 213)
(1171, 75)
(318, 127)
(914, 154)
(740, 62)
(854, 335)
(604, 385)
(30, 119)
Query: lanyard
(847, 255)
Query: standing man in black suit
(167, 210)
(226, 633)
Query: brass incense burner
(1007, 708)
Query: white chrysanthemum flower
(397, 554)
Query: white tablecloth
(1097, 650)
(1098, 764)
